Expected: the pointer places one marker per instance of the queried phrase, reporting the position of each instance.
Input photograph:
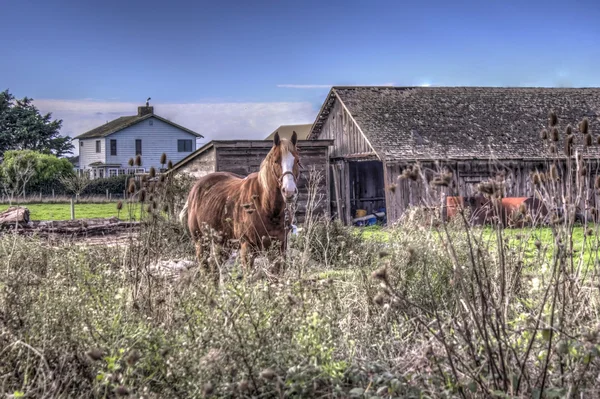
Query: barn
(245, 156)
(474, 132)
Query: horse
(248, 211)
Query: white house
(106, 150)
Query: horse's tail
(183, 216)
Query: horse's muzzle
(289, 196)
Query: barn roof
(285, 131)
(462, 122)
(124, 122)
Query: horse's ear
(276, 139)
(294, 138)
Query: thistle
(544, 134)
(553, 149)
(119, 205)
(569, 130)
(584, 126)
(392, 187)
(163, 159)
(152, 172)
(131, 188)
(170, 165)
(553, 118)
(142, 197)
(162, 178)
(554, 133)
(553, 172)
(130, 162)
(138, 160)
(569, 146)
(588, 140)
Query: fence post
(107, 193)
(53, 194)
(72, 209)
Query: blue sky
(239, 69)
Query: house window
(81, 143)
(98, 146)
(113, 147)
(138, 147)
(113, 172)
(184, 145)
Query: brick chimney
(145, 110)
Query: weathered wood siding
(466, 176)
(347, 137)
(244, 158)
(201, 165)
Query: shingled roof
(124, 122)
(463, 122)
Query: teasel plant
(488, 340)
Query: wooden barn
(244, 157)
(474, 132)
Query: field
(62, 211)
(414, 310)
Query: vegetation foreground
(351, 317)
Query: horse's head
(286, 165)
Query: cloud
(251, 120)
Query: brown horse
(249, 211)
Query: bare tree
(76, 183)
(15, 176)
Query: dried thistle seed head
(584, 126)
(142, 196)
(95, 354)
(152, 172)
(569, 147)
(154, 205)
(589, 232)
(553, 119)
(133, 357)
(538, 244)
(267, 374)
(163, 159)
(243, 385)
(523, 208)
(122, 391)
(588, 140)
(569, 130)
(208, 389)
(379, 299)
(131, 162)
(131, 187)
(170, 164)
(583, 171)
(544, 134)
(597, 182)
(119, 205)
(553, 172)
(138, 160)
(383, 254)
(552, 149)
(554, 134)
(392, 187)
(380, 274)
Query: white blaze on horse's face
(288, 184)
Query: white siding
(88, 154)
(157, 138)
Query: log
(83, 227)
(14, 214)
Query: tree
(22, 127)
(75, 183)
(22, 169)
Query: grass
(51, 211)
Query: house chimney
(145, 110)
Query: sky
(239, 69)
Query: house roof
(285, 131)
(403, 123)
(124, 122)
(242, 144)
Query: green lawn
(82, 211)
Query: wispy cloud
(213, 120)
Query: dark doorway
(367, 188)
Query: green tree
(22, 127)
(26, 168)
